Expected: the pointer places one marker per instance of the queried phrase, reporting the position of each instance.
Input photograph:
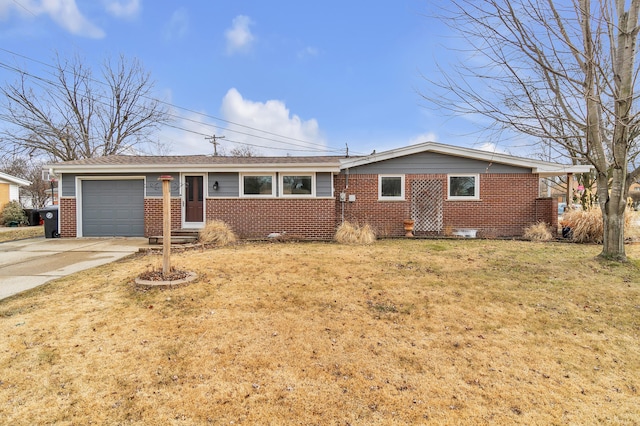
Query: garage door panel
(113, 208)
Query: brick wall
(67, 212)
(312, 219)
(384, 216)
(547, 211)
(507, 205)
(153, 215)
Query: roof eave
(15, 180)
(537, 166)
(181, 168)
(562, 171)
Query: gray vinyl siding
(434, 163)
(68, 185)
(228, 185)
(153, 186)
(324, 184)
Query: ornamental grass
(538, 232)
(351, 233)
(217, 232)
(587, 225)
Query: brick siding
(311, 219)
(508, 204)
(153, 216)
(547, 211)
(67, 212)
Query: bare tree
(40, 191)
(75, 116)
(244, 151)
(564, 73)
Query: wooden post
(166, 223)
(569, 190)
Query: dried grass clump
(217, 232)
(349, 233)
(587, 225)
(632, 225)
(538, 232)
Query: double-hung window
(391, 187)
(258, 185)
(464, 187)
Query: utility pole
(214, 142)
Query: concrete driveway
(26, 264)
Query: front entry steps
(178, 236)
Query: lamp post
(53, 200)
(166, 223)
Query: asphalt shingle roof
(124, 160)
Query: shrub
(348, 233)
(587, 226)
(13, 212)
(538, 232)
(217, 232)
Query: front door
(193, 201)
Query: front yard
(398, 332)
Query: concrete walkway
(26, 264)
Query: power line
(305, 144)
(214, 142)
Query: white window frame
(273, 185)
(400, 197)
(475, 196)
(281, 184)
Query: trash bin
(50, 217)
(33, 217)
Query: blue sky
(314, 75)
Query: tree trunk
(613, 210)
(613, 240)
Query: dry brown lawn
(398, 332)
(20, 233)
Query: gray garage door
(113, 208)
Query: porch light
(215, 185)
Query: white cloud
(271, 116)
(66, 14)
(63, 12)
(178, 25)
(491, 147)
(187, 134)
(239, 36)
(423, 137)
(123, 8)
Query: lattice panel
(426, 205)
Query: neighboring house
(634, 194)
(441, 187)
(10, 188)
